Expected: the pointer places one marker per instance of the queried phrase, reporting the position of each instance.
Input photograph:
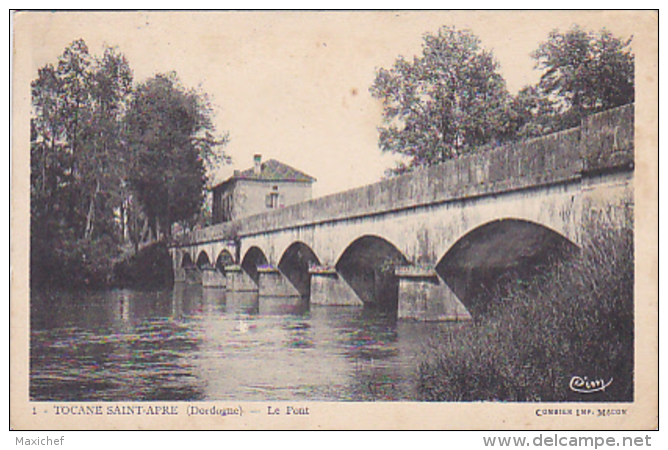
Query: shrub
(150, 268)
(67, 262)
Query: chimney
(257, 167)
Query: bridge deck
(604, 142)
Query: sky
(294, 86)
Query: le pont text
(99, 410)
(288, 411)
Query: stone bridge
(426, 245)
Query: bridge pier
(211, 277)
(512, 207)
(179, 275)
(242, 292)
(424, 296)
(277, 295)
(193, 275)
(328, 288)
(212, 298)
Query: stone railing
(604, 142)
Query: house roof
(273, 170)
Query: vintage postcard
(334, 220)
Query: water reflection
(190, 344)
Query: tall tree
(76, 154)
(443, 103)
(105, 159)
(172, 140)
(47, 162)
(76, 134)
(59, 98)
(583, 73)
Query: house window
(226, 207)
(272, 200)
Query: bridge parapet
(609, 139)
(604, 142)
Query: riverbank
(98, 264)
(573, 325)
(149, 268)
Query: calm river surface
(185, 344)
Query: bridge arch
(224, 259)
(254, 259)
(485, 257)
(367, 265)
(295, 263)
(187, 261)
(203, 260)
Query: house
(265, 186)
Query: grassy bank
(574, 320)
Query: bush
(150, 268)
(574, 320)
(66, 262)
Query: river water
(187, 344)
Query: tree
(76, 157)
(535, 112)
(105, 160)
(445, 102)
(172, 139)
(76, 135)
(58, 99)
(583, 73)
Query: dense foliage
(98, 179)
(445, 102)
(452, 100)
(583, 73)
(171, 139)
(76, 151)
